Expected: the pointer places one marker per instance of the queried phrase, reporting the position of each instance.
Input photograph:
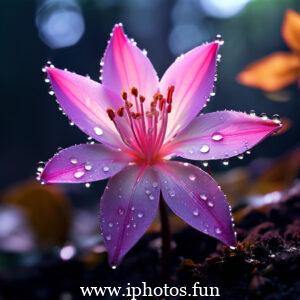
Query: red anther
(134, 91)
(161, 103)
(124, 96)
(129, 104)
(142, 99)
(120, 111)
(169, 108)
(138, 115)
(133, 115)
(170, 93)
(111, 113)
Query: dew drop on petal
(204, 149)
(172, 193)
(105, 169)
(88, 166)
(148, 192)
(73, 161)
(155, 184)
(186, 164)
(87, 185)
(225, 162)
(196, 212)
(218, 230)
(210, 204)
(205, 164)
(203, 197)
(151, 197)
(113, 267)
(121, 211)
(192, 177)
(217, 137)
(241, 156)
(78, 174)
(110, 224)
(98, 130)
(108, 237)
(140, 214)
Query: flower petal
(291, 29)
(193, 77)
(125, 66)
(85, 102)
(272, 72)
(128, 207)
(196, 198)
(220, 135)
(84, 163)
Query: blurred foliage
(47, 210)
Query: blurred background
(47, 225)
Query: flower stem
(166, 240)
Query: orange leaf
(272, 72)
(291, 29)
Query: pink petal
(85, 102)
(125, 66)
(127, 209)
(196, 198)
(84, 163)
(220, 135)
(193, 77)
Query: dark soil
(265, 265)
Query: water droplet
(225, 162)
(210, 204)
(204, 149)
(252, 113)
(132, 208)
(73, 161)
(113, 267)
(264, 116)
(218, 230)
(232, 247)
(192, 177)
(51, 93)
(203, 197)
(105, 169)
(155, 184)
(87, 185)
(186, 164)
(196, 212)
(110, 224)
(248, 152)
(88, 166)
(151, 197)
(98, 131)
(148, 192)
(78, 174)
(241, 156)
(140, 214)
(121, 211)
(40, 169)
(217, 137)
(108, 237)
(276, 119)
(191, 151)
(205, 164)
(171, 193)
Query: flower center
(143, 131)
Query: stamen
(170, 93)
(124, 96)
(134, 91)
(142, 99)
(120, 111)
(111, 114)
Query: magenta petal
(196, 198)
(125, 66)
(83, 163)
(85, 102)
(193, 77)
(220, 135)
(128, 207)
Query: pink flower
(141, 123)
